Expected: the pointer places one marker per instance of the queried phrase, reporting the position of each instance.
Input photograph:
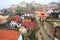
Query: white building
(23, 4)
(35, 4)
(28, 15)
(23, 30)
(49, 11)
(20, 37)
(14, 23)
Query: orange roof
(16, 18)
(26, 20)
(9, 35)
(40, 14)
(28, 23)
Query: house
(28, 14)
(13, 8)
(9, 35)
(16, 18)
(55, 14)
(49, 11)
(15, 21)
(23, 30)
(53, 5)
(59, 15)
(3, 19)
(34, 4)
(27, 23)
(1, 12)
(23, 4)
(41, 15)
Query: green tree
(20, 11)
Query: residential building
(13, 8)
(53, 5)
(1, 12)
(34, 4)
(23, 4)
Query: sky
(8, 3)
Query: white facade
(28, 15)
(23, 30)
(20, 37)
(59, 15)
(23, 4)
(49, 11)
(56, 38)
(35, 4)
(14, 23)
(22, 17)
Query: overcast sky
(7, 3)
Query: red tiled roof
(28, 24)
(9, 35)
(40, 14)
(16, 18)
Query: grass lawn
(54, 22)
